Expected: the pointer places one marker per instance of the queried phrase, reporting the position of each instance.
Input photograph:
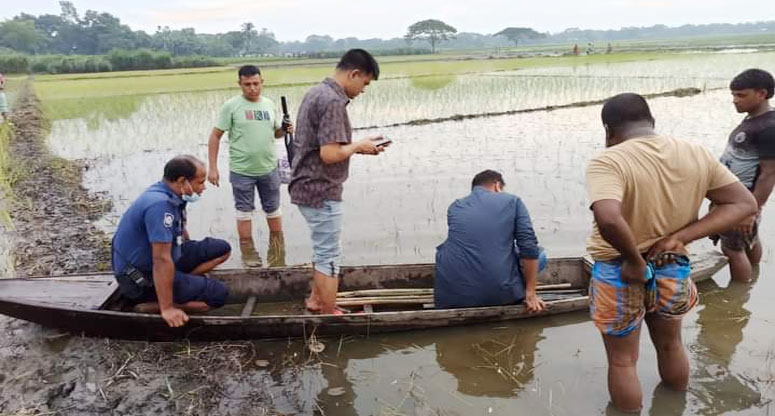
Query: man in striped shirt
(322, 147)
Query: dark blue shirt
(157, 216)
(478, 264)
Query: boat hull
(279, 283)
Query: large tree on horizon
(431, 30)
(516, 34)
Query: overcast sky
(296, 19)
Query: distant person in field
(645, 192)
(491, 255)
(322, 150)
(155, 262)
(3, 99)
(750, 155)
(253, 125)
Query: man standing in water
(252, 122)
(750, 155)
(155, 262)
(645, 192)
(322, 149)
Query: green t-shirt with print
(251, 128)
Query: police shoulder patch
(169, 219)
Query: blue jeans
(325, 224)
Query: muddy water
(395, 213)
(396, 203)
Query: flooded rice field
(395, 212)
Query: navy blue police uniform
(159, 216)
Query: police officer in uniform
(155, 263)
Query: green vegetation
(14, 63)
(432, 83)
(56, 87)
(116, 95)
(128, 60)
(7, 174)
(6, 224)
(116, 60)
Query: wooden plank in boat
(89, 292)
(247, 310)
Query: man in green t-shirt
(252, 122)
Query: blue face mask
(193, 197)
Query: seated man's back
(478, 263)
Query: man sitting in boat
(491, 255)
(155, 262)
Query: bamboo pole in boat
(390, 300)
(423, 291)
(385, 292)
(553, 287)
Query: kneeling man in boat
(155, 262)
(491, 255)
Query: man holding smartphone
(322, 149)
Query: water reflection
(667, 402)
(94, 110)
(457, 369)
(721, 322)
(495, 364)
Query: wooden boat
(260, 298)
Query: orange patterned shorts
(618, 308)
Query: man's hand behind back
(634, 271)
(663, 250)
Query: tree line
(97, 41)
(95, 33)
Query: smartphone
(384, 141)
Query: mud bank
(46, 372)
(51, 211)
